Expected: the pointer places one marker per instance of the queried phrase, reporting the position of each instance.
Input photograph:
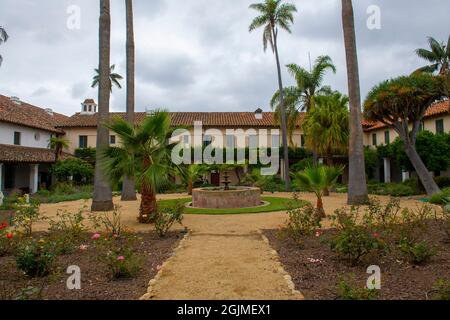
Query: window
(207, 140)
(83, 142)
(112, 139)
(387, 137)
(231, 142)
(440, 126)
(37, 136)
(253, 142)
(374, 139)
(84, 108)
(422, 126)
(302, 140)
(17, 138)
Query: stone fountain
(226, 197)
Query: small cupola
(88, 107)
(258, 114)
(15, 100)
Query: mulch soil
(316, 270)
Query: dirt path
(224, 257)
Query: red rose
(9, 236)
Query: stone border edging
(281, 269)
(150, 294)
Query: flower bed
(97, 282)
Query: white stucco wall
(27, 135)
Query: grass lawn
(276, 204)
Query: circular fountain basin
(219, 198)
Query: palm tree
(3, 38)
(114, 78)
(274, 15)
(102, 199)
(326, 126)
(58, 144)
(128, 186)
(308, 84)
(438, 56)
(191, 174)
(143, 155)
(316, 179)
(357, 189)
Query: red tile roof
(438, 109)
(20, 154)
(28, 115)
(209, 119)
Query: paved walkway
(224, 257)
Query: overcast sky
(197, 55)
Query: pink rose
(120, 258)
(83, 247)
(95, 236)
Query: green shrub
(6, 239)
(66, 231)
(34, 258)
(347, 291)
(439, 198)
(443, 182)
(111, 222)
(391, 189)
(26, 214)
(353, 241)
(79, 170)
(441, 290)
(118, 255)
(418, 253)
(303, 221)
(63, 188)
(168, 216)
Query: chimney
(15, 100)
(259, 114)
(49, 111)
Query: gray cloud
(198, 55)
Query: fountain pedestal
(219, 198)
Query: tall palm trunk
(283, 115)
(357, 191)
(102, 190)
(128, 187)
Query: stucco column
(405, 175)
(1, 178)
(387, 170)
(34, 174)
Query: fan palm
(191, 174)
(438, 56)
(3, 38)
(326, 126)
(316, 179)
(274, 15)
(58, 144)
(114, 78)
(144, 155)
